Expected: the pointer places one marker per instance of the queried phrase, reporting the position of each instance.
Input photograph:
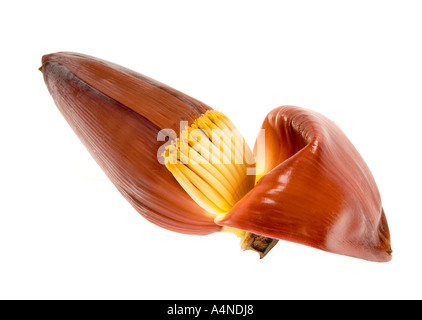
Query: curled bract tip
(315, 189)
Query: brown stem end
(258, 243)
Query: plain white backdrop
(65, 231)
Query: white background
(66, 233)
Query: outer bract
(117, 114)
